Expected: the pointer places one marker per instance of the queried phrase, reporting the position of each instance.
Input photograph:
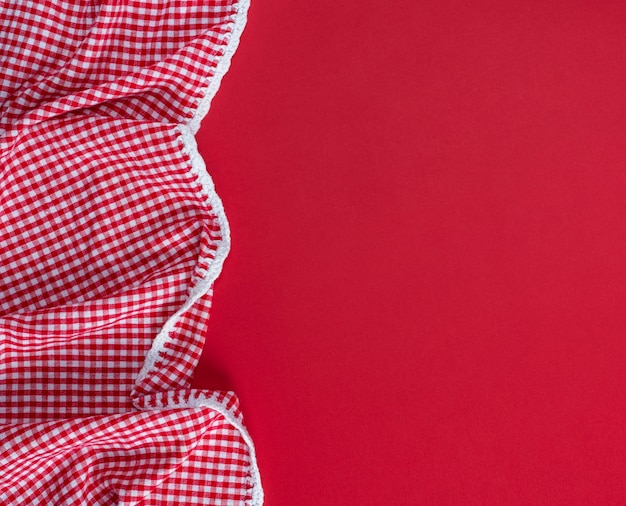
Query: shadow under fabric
(111, 237)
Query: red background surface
(424, 303)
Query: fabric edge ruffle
(204, 104)
(198, 168)
(226, 405)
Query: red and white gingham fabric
(111, 236)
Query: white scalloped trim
(198, 168)
(257, 488)
(256, 491)
(203, 106)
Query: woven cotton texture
(111, 237)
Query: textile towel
(111, 238)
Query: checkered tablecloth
(111, 237)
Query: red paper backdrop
(425, 298)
